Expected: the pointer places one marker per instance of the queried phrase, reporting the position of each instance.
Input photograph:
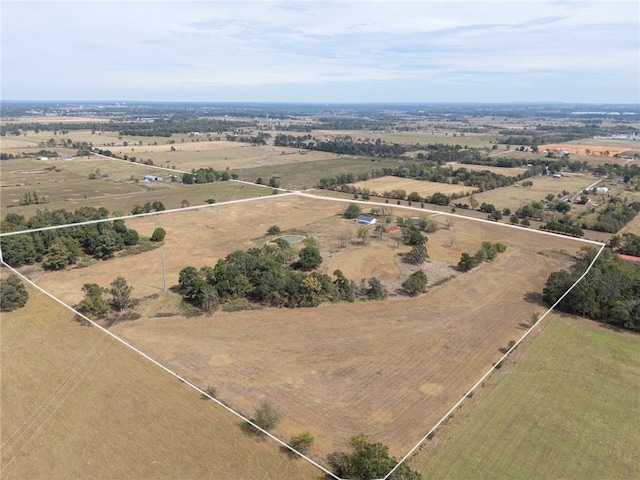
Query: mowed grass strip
(78, 404)
(569, 409)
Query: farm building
(630, 258)
(390, 227)
(152, 178)
(366, 220)
(557, 175)
(42, 158)
(602, 190)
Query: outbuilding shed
(366, 220)
(152, 178)
(390, 227)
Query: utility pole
(164, 276)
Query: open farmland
(66, 184)
(567, 409)
(514, 196)
(592, 148)
(508, 172)
(399, 364)
(424, 189)
(78, 404)
(221, 155)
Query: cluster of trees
(369, 461)
(269, 276)
(205, 175)
(344, 145)
(148, 207)
(628, 244)
(488, 251)
(13, 295)
(33, 199)
(563, 225)
(59, 248)
(616, 214)
(610, 292)
(95, 304)
(257, 139)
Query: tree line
(609, 293)
(58, 248)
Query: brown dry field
(632, 227)
(390, 369)
(508, 172)
(578, 149)
(382, 184)
(78, 404)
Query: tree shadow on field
(534, 297)
(252, 431)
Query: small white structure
(602, 190)
(42, 158)
(152, 178)
(557, 175)
(366, 220)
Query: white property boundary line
(459, 402)
(317, 197)
(174, 374)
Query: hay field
(221, 155)
(425, 189)
(544, 418)
(514, 197)
(77, 404)
(594, 149)
(508, 172)
(389, 369)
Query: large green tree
(13, 295)
(120, 293)
(416, 283)
(370, 461)
(310, 258)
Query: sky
(322, 52)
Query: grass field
(77, 404)
(514, 197)
(508, 172)
(567, 409)
(69, 186)
(409, 185)
(399, 364)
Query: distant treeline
(155, 128)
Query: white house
(602, 190)
(152, 178)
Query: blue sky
(329, 51)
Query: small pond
(291, 238)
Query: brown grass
(578, 149)
(382, 184)
(389, 369)
(77, 404)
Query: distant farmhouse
(366, 220)
(151, 178)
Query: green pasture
(296, 176)
(569, 409)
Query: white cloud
(181, 48)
